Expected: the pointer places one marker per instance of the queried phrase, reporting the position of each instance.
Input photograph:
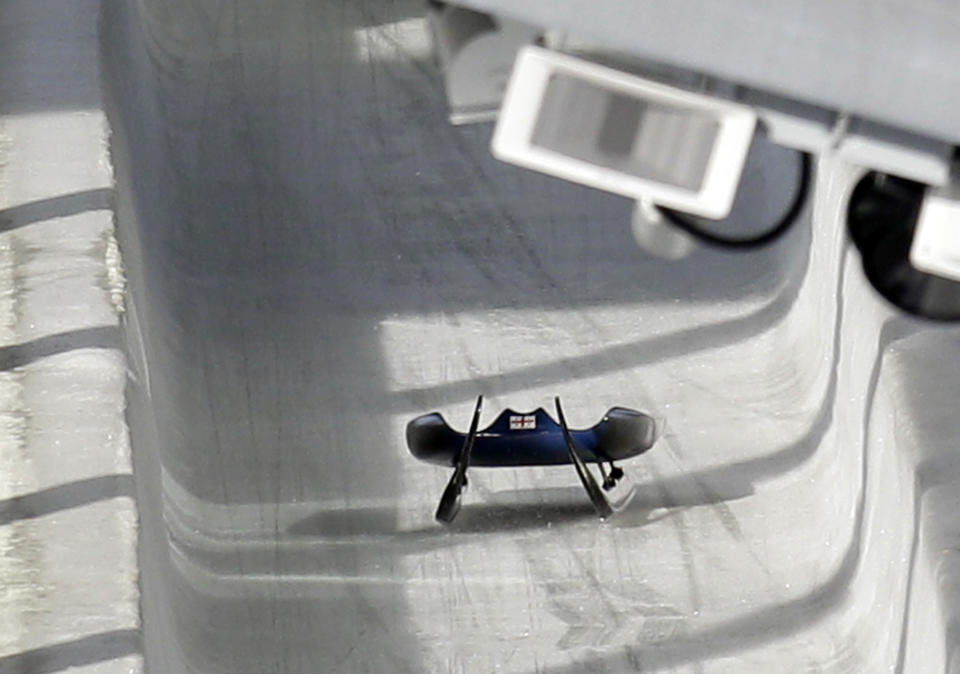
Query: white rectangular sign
(622, 133)
(936, 240)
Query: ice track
(314, 256)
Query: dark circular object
(881, 219)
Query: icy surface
(315, 256)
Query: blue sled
(535, 439)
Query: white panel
(673, 129)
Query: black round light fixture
(881, 219)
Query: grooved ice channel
(314, 256)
